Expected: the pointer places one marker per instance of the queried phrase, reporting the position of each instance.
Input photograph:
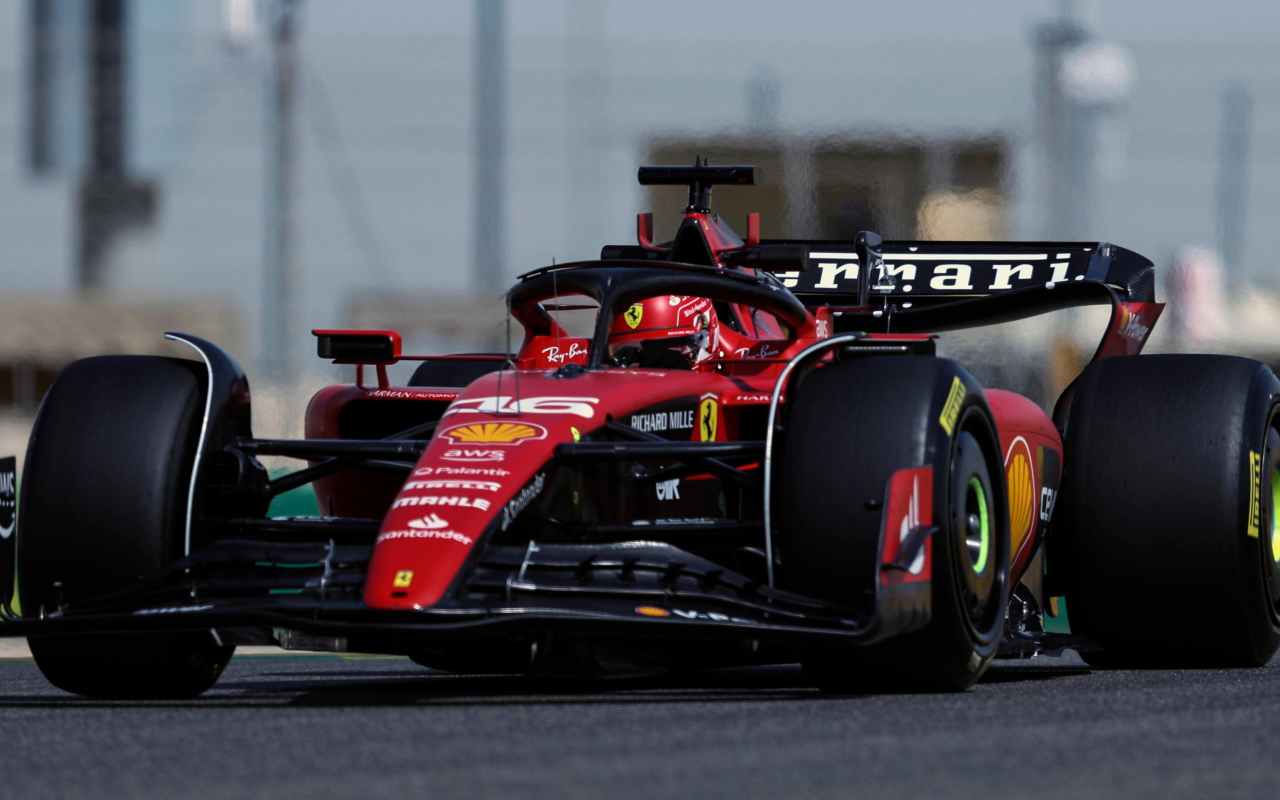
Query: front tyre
(851, 425)
(103, 506)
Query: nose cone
(474, 476)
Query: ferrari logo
(633, 315)
(708, 419)
(403, 579)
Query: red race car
(712, 451)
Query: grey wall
(385, 123)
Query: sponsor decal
(951, 408)
(454, 483)
(633, 315)
(556, 355)
(487, 472)
(640, 523)
(663, 421)
(1131, 326)
(1254, 520)
(950, 273)
(708, 616)
(431, 522)
(522, 499)
(403, 579)
(1021, 480)
(910, 522)
(822, 328)
(692, 307)
(584, 407)
(409, 394)
(668, 490)
(444, 536)
(657, 612)
(761, 351)
(752, 398)
(494, 433)
(908, 508)
(1047, 468)
(575, 433)
(478, 503)
(148, 612)
(473, 454)
(1047, 498)
(8, 496)
(708, 418)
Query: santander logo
(430, 522)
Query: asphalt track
(384, 728)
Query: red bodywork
(495, 437)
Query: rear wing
(935, 286)
(924, 274)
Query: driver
(669, 331)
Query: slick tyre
(850, 427)
(103, 506)
(1166, 539)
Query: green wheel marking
(1275, 515)
(984, 525)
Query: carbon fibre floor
(327, 726)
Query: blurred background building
(250, 169)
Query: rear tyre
(104, 501)
(850, 427)
(1166, 540)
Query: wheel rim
(975, 542)
(1271, 567)
(978, 524)
(1275, 518)
(1270, 533)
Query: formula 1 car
(751, 453)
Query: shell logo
(494, 433)
(1022, 490)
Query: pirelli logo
(951, 408)
(1255, 493)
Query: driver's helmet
(668, 331)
